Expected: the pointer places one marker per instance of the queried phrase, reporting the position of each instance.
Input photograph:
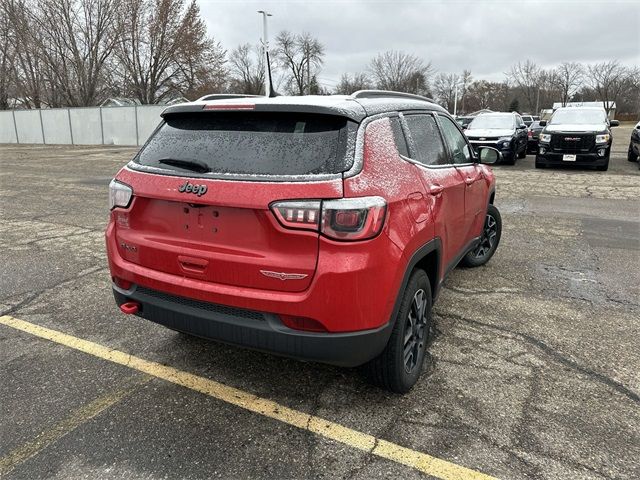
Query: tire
(491, 233)
(523, 153)
(540, 165)
(511, 159)
(603, 168)
(631, 156)
(394, 370)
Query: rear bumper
(583, 159)
(255, 330)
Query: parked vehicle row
(573, 135)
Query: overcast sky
(483, 36)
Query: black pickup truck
(576, 136)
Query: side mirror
(489, 155)
(614, 123)
(464, 127)
(520, 127)
(543, 123)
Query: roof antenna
(268, 80)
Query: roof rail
(225, 96)
(388, 94)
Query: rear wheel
(631, 155)
(489, 240)
(510, 159)
(399, 365)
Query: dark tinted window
(398, 135)
(426, 139)
(456, 141)
(251, 143)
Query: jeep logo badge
(186, 187)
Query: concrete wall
(80, 126)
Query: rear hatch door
(203, 185)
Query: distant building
(609, 106)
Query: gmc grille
(572, 142)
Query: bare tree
(568, 79)
(7, 57)
(246, 65)
(444, 87)
(29, 71)
(159, 39)
(302, 57)
(482, 94)
(608, 80)
(404, 72)
(349, 84)
(526, 76)
(76, 39)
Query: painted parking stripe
(75, 419)
(423, 462)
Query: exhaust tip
(130, 308)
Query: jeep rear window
(251, 143)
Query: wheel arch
(427, 258)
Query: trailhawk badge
(186, 187)
(283, 275)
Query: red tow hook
(130, 307)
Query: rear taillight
(530, 134)
(343, 219)
(119, 194)
(303, 215)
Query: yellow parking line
(75, 419)
(420, 461)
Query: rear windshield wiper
(193, 165)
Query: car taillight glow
(345, 219)
(120, 194)
(530, 134)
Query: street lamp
(265, 44)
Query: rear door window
(250, 143)
(427, 148)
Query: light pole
(455, 101)
(265, 45)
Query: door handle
(469, 180)
(436, 189)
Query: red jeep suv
(319, 228)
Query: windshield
(578, 116)
(249, 143)
(492, 121)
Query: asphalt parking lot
(533, 370)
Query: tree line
(56, 53)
